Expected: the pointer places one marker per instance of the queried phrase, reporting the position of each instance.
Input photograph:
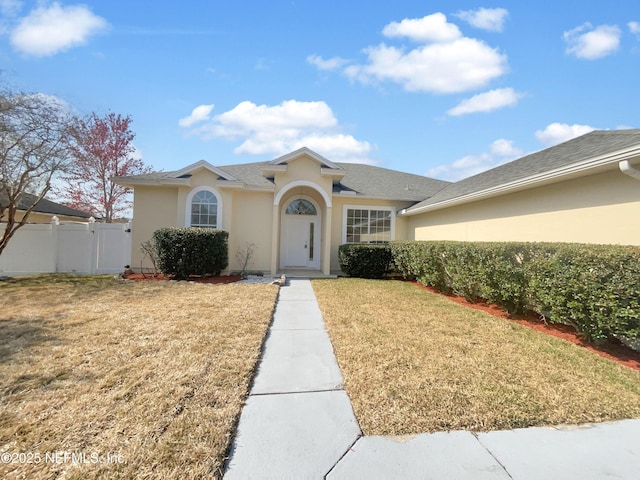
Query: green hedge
(191, 251)
(365, 260)
(595, 288)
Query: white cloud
(432, 28)
(279, 129)
(338, 147)
(634, 27)
(592, 43)
(199, 114)
(556, 133)
(491, 19)
(487, 101)
(48, 30)
(333, 63)
(463, 65)
(501, 151)
(447, 63)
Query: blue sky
(438, 88)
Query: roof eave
(132, 182)
(337, 175)
(374, 197)
(271, 169)
(574, 170)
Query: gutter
(627, 169)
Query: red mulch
(613, 350)
(149, 277)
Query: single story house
(297, 209)
(45, 210)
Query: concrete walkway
(298, 423)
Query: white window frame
(346, 208)
(192, 193)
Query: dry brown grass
(154, 372)
(415, 362)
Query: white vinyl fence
(68, 247)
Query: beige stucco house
(586, 190)
(297, 209)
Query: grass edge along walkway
(415, 362)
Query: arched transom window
(301, 206)
(204, 210)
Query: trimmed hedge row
(595, 288)
(191, 251)
(365, 260)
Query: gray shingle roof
(45, 206)
(364, 180)
(585, 147)
(249, 173)
(381, 182)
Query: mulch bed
(613, 349)
(148, 277)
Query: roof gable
(304, 151)
(202, 164)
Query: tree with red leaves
(102, 149)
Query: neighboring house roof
(45, 206)
(597, 149)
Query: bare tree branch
(34, 146)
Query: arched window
(301, 206)
(204, 209)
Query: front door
(300, 245)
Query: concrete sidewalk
(298, 423)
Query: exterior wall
(337, 221)
(252, 214)
(303, 169)
(601, 208)
(246, 215)
(153, 208)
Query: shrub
(365, 260)
(595, 288)
(191, 251)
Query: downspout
(627, 169)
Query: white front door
(300, 241)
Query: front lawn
(416, 362)
(105, 378)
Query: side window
(204, 210)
